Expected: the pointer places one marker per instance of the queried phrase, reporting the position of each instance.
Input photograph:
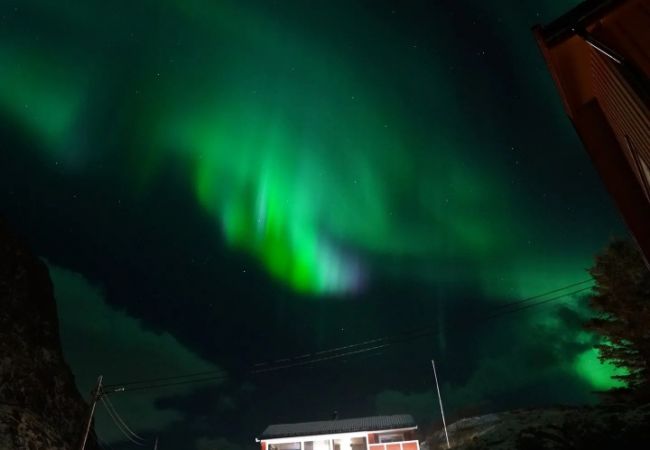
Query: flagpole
(442, 412)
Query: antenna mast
(442, 412)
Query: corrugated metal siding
(625, 111)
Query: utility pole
(96, 395)
(442, 412)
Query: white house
(366, 433)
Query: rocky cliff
(588, 428)
(40, 407)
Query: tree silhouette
(621, 301)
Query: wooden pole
(96, 394)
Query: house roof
(375, 423)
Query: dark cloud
(98, 339)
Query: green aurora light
(324, 163)
(303, 160)
(596, 373)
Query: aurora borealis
(264, 177)
(272, 152)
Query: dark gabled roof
(582, 15)
(375, 423)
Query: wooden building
(599, 57)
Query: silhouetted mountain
(40, 407)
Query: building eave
(580, 17)
(302, 437)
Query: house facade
(599, 57)
(396, 432)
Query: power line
(535, 297)
(311, 361)
(117, 423)
(126, 427)
(413, 334)
(223, 378)
(252, 372)
(422, 333)
(415, 331)
(372, 345)
(310, 358)
(155, 380)
(154, 386)
(344, 351)
(541, 302)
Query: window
(287, 446)
(356, 443)
(393, 437)
(317, 445)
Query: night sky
(218, 183)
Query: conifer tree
(621, 301)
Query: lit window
(393, 437)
